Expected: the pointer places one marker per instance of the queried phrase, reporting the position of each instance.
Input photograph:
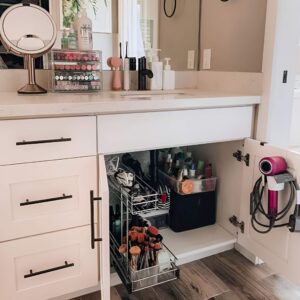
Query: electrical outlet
(206, 59)
(191, 60)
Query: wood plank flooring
(225, 276)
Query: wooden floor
(226, 276)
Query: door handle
(63, 197)
(61, 140)
(32, 274)
(92, 200)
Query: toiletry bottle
(84, 31)
(168, 162)
(168, 76)
(208, 171)
(65, 40)
(192, 171)
(188, 160)
(156, 66)
(72, 40)
(185, 173)
(200, 168)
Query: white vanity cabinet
(48, 168)
(54, 210)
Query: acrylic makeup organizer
(76, 71)
(136, 280)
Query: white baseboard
(250, 256)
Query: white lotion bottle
(156, 66)
(84, 31)
(168, 76)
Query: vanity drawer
(47, 266)
(156, 130)
(41, 197)
(47, 139)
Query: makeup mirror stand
(31, 87)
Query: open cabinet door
(278, 248)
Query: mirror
(8, 60)
(22, 37)
(234, 41)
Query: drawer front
(47, 139)
(144, 131)
(46, 196)
(47, 266)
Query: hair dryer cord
(257, 206)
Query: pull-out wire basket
(136, 204)
(136, 280)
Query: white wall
(280, 53)
(234, 30)
(295, 125)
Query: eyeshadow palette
(76, 71)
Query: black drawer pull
(61, 140)
(63, 197)
(32, 274)
(93, 239)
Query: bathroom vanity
(54, 225)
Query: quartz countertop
(14, 106)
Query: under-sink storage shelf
(140, 204)
(195, 185)
(144, 278)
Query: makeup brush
(141, 238)
(152, 231)
(123, 249)
(151, 254)
(146, 257)
(157, 248)
(135, 252)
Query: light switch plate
(191, 60)
(206, 59)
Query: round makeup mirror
(28, 30)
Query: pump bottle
(156, 66)
(168, 76)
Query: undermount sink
(150, 94)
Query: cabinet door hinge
(240, 157)
(234, 221)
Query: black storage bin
(192, 211)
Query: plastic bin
(192, 211)
(199, 185)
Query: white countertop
(14, 106)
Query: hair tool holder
(274, 178)
(28, 31)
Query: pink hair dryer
(271, 166)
